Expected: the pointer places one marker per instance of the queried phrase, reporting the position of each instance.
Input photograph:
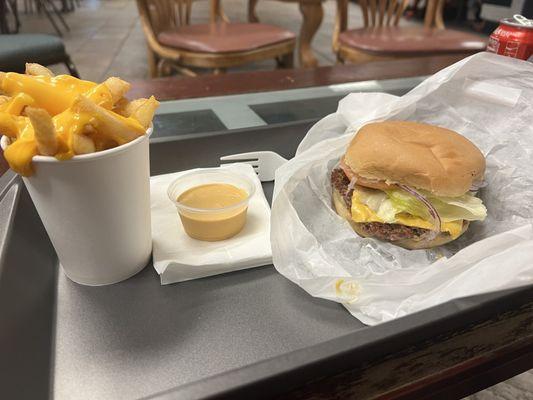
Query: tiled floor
(106, 39)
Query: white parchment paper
(488, 99)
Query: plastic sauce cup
(211, 224)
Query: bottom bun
(411, 244)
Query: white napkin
(179, 258)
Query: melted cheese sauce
(56, 95)
(53, 94)
(215, 222)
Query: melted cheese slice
(362, 213)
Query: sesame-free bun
(411, 244)
(422, 156)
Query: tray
(250, 334)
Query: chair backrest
(384, 12)
(161, 15)
(378, 13)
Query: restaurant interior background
(104, 38)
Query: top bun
(422, 156)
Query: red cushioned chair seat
(224, 37)
(403, 41)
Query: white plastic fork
(265, 163)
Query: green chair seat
(17, 50)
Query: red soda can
(513, 38)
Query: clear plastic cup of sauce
(212, 203)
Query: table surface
(465, 361)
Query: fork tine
(253, 163)
(242, 156)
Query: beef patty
(340, 182)
(379, 230)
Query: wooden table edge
(469, 377)
(178, 88)
(451, 366)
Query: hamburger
(409, 183)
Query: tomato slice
(367, 182)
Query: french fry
(38, 70)
(141, 110)
(44, 130)
(145, 112)
(18, 104)
(19, 154)
(121, 106)
(133, 105)
(101, 95)
(101, 142)
(8, 125)
(4, 103)
(117, 87)
(110, 124)
(38, 106)
(82, 144)
(89, 130)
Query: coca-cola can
(513, 38)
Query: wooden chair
(173, 43)
(382, 38)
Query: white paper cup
(96, 210)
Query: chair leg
(56, 11)
(184, 70)
(13, 5)
(164, 67)
(252, 16)
(286, 60)
(42, 6)
(152, 63)
(4, 28)
(71, 67)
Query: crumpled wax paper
(487, 98)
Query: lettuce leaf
(404, 202)
(386, 204)
(466, 207)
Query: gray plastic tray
(247, 334)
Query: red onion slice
(347, 170)
(352, 183)
(477, 185)
(432, 211)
